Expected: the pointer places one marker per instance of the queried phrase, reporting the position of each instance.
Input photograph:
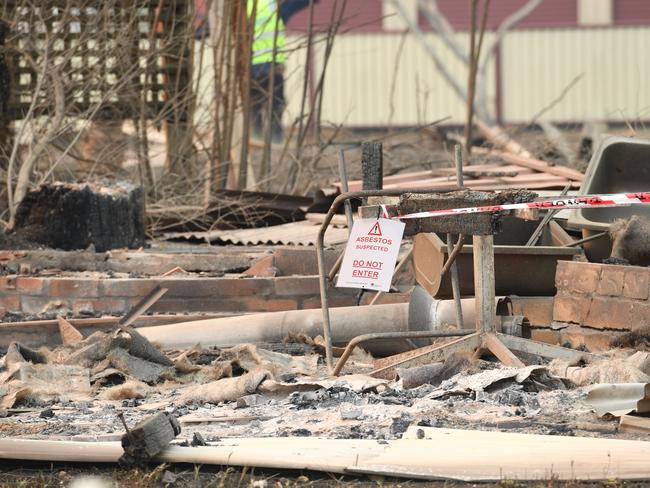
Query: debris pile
(249, 355)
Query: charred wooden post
(76, 216)
(372, 165)
(148, 438)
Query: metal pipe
(458, 159)
(587, 239)
(270, 327)
(381, 336)
(451, 262)
(455, 283)
(142, 306)
(320, 252)
(398, 268)
(335, 268)
(343, 174)
(453, 253)
(547, 218)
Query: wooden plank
(503, 354)
(632, 423)
(499, 138)
(385, 368)
(423, 453)
(69, 335)
(540, 349)
(471, 455)
(148, 438)
(484, 283)
(441, 454)
(530, 181)
(541, 166)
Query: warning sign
(376, 230)
(371, 254)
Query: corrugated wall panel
(359, 79)
(538, 66)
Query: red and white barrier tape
(587, 201)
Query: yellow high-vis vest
(266, 17)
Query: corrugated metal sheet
(296, 234)
(538, 65)
(360, 76)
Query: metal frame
(484, 339)
(324, 276)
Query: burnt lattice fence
(116, 59)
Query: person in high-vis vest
(268, 55)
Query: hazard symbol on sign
(376, 230)
(370, 255)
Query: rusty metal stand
(485, 339)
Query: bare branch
(431, 50)
(439, 23)
(26, 168)
(508, 24)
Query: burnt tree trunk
(76, 216)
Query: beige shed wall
(374, 80)
(540, 64)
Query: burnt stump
(75, 216)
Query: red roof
(632, 12)
(550, 13)
(359, 16)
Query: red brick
(538, 310)
(584, 277)
(218, 287)
(615, 313)
(11, 255)
(269, 305)
(37, 305)
(582, 337)
(190, 305)
(110, 306)
(637, 283)
(386, 298)
(302, 262)
(611, 282)
(562, 274)
(297, 286)
(10, 303)
(81, 306)
(263, 267)
(72, 288)
(126, 287)
(8, 282)
(577, 277)
(31, 286)
(549, 336)
(334, 301)
(570, 309)
(640, 315)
